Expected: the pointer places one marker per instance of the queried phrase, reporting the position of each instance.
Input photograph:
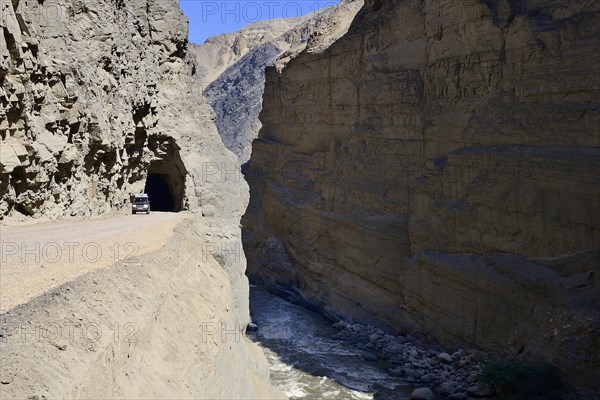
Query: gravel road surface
(38, 258)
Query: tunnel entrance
(165, 185)
(158, 190)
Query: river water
(311, 359)
(307, 362)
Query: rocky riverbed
(434, 373)
(312, 357)
(429, 369)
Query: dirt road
(38, 258)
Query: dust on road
(38, 258)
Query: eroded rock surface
(94, 97)
(436, 170)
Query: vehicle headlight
(145, 205)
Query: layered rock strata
(437, 170)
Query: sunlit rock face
(436, 169)
(91, 95)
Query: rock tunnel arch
(165, 180)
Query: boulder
(445, 358)
(422, 394)
(481, 391)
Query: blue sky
(209, 18)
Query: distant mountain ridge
(232, 66)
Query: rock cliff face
(234, 66)
(437, 169)
(94, 98)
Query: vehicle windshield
(141, 201)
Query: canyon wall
(437, 170)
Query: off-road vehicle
(141, 203)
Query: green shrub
(523, 380)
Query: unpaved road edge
(163, 327)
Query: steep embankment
(157, 326)
(235, 66)
(436, 169)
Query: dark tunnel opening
(165, 186)
(159, 192)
